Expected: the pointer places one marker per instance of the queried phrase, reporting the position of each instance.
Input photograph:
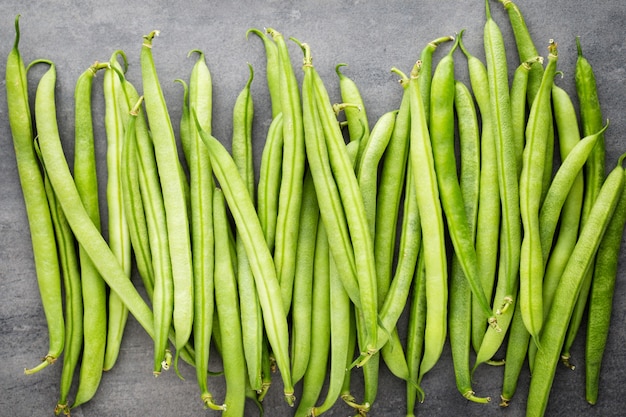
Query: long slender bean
(290, 194)
(174, 196)
(93, 286)
(431, 219)
(202, 227)
(118, 234)
(36, 204)
(272, 75)
(530, 186)
(495, 55)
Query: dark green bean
(116, 111)
(290, 195)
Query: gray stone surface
(371, 37)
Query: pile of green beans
(448, 208)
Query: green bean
(531, 180)
(460, 291)
(489, 211)
(562, 307)
(301, 308)
(174, 196)
(36, 204)
(347, 183)
(202, 227)
(431, 219)
(340, 331)
(249, 229)
(83, 228)
(326, 189)
(441, 127)
(152, 198)
(93, 286)
(505, 155)
(119, 239)
(134, 209)
(516, 351)
(591, 122)
(70, 270)
(315, 374)
(227, 305)
(185, 122)
(272, 74)
(601, 299)
(290, 195)
(269, 179)
(354, 108)
(392, 175)
(251, 320)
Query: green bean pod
(495, 55)
(83, 228)
(151, 195)
(68, 258)
(530, 186)
(489, 211)
(93, 286)
(431, 219)
(227, 306)
(460, 291)
(441, 127)
(116, 111)
(261, 263)
(390, 189)
(174, 196)
(555, 328)
(36, 204)
(329, 200)
(202, 223)
(251, 320)
(290, 194)
(601, 299)
(354, 109)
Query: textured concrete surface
(371, 37)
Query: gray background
(370, 36)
